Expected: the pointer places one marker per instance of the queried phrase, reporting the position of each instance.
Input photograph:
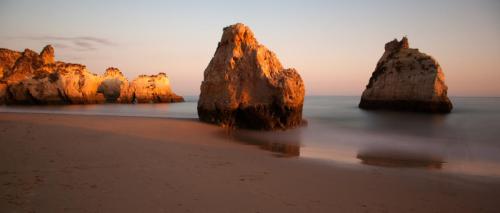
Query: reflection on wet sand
(392, 158)
(283, 144)
(287, 150)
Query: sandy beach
(71, 163)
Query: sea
(465, 141)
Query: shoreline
(82, 163)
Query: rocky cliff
(32, 78)
(406, 79)
(246, 86)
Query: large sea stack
(31, 78)
(406, 79)
(246, 86)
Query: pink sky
(334, 44)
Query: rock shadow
(282, 144)
(399, 158)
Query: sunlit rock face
(246, 86)
(78, 85)
(47, 55)
(38, 79)
(114, 86)
(7, 60)
(406, 79)
(24, 67)
(61, 83)
(152, 89)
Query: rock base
(158, 99)
(176, 99)
(405, 105)
(261, 117)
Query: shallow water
(464, 141)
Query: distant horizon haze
(334, 45)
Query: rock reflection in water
(287, 150)
(399, 158)
(283, 144)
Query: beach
(90, 163)
(249, 106)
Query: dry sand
(69, 163)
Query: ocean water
(466, 141)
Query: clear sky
(333, 44)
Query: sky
(334, 45)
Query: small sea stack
(246, 86)
(152, 88)
(406, 79)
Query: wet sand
(70, 163)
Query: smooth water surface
(464, 141)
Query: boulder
(406, 79)
(246, 86)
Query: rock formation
(7, 60)
(3, 92)
(246, 86)
(152, 89)
(406, 79)
(114, 86)
(32, 78)
(39, 79)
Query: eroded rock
(47, 55)
(3, 93)
(246, 86)
(152, 89)
(62, 84)
(8, 59)
(32, 78)
(406, 79)
(114, 86)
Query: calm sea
(465, 141)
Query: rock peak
(29, 52)
(404, 43)
(396, 45)
(238, 33)
(47, 54)
(113, 71)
